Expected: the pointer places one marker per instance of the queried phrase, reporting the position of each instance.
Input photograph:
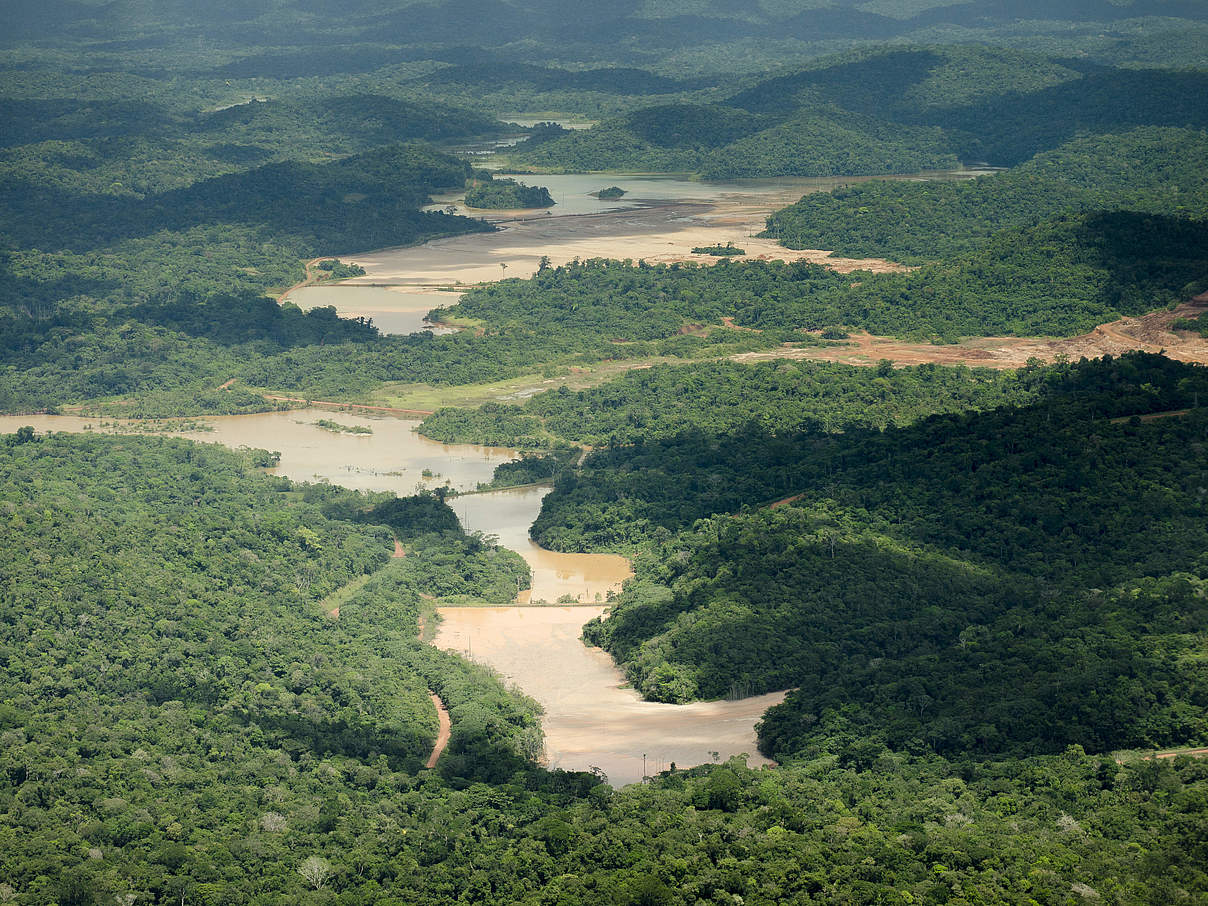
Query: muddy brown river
(592, 719)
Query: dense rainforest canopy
(985, 589)
(188, 720)
(886, 110)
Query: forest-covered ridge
(719, 397)
(630, 32)
(117, 794)
(887, 110)
(913, 574)
(622, 494)
(1151, 169)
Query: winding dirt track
(446, 730)
(311, 276)
(1174, 753)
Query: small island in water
(505, 194)
(609, 193)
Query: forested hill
(182, 719)
(359, 202)
(924, 475)
(886, 110)
(1048, 558)
(1161, 171)
(638, 28)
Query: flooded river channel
(593, 720)
(660, 219)
(393, 458)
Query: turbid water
(391, 310)
(592, 719)
(508, 515)
(661, 218)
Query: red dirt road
(1174, 753)
(442, 737)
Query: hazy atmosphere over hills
(653, 452)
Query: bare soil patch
(1149, 333)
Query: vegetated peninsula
(507, 194)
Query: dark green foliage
(440, 560)
(507, 194)
(531, 468)
(966, 584)
(1021, 487)
(907, 647)
(610, 193)
(181, 722)
(1060, 277)
(1198, 324)
(334, 269)
(615, 300)
(886, 110)
(720, 397)
(231, 320)
(1160, 171)
(719, 251)
(901, 82)
(410, 517)
(189, 713)
(724, 142)
(365, 201)
(467, 568)
(363, 120)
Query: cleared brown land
(1150, 333)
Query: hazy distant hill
(888, 110)
(599, 30)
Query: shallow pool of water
(393, 311)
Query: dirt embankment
(1150, 333)
(1174, 753)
